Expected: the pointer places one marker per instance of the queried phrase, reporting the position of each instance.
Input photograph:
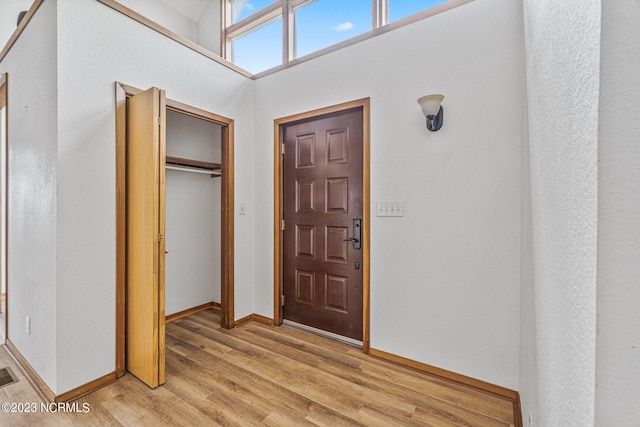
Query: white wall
(32, 216)
(9, 10)
(98, 46)
(528, 336)
(193, 221)
(209, 27)
(618, 341)
(563, 47)
(3, 207)
(445, 278)
(471, 232)
(166, 16)
(203, 29)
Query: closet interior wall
(193, 216)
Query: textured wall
(32, 216)
(166, 16)
(445, 278)
(98, 46)
(618, 367)
(563, 49)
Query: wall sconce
(432, 110)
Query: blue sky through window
(259, 50)
(319, 24)
(243, 8)
(327, 22)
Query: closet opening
(192, 161)
(193, 215)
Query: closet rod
(208, 172)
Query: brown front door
(322, 198)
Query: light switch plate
(390, 208)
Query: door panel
(145, 231)
(322, 195)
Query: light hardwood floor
(262, 375)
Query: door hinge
(160, 122)
(282, 300)
(159, 237)
(282, 148)
(282, 225)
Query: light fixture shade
(430, 104)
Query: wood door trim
(3, 96)
(227, 233)
(173, 36)
(453, 377)
(4, 102)
(162, 215)
(193, 310)
(254, 318)
(227, 291)
(41, 388)
(87, 388)
(121, 226)
(18, 31)
(278, 256)
(180, 107)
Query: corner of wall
(618, 338)
(563, 91)
(32, 211)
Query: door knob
(166, 251)
(357, 234)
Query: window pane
(326, 22)
(259, 50)
(399, 9)
(240, 9)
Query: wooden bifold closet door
(145, 321)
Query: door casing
(227, 210)
(4, 103)
(279, 124)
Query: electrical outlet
(390, 208)
(242, 209)
(28, 325)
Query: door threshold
(320, 332)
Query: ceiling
(190, 8)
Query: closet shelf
(179, 161)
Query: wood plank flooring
(258, 375)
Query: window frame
(286, 9)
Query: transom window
(241, 9)
(262, 34)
